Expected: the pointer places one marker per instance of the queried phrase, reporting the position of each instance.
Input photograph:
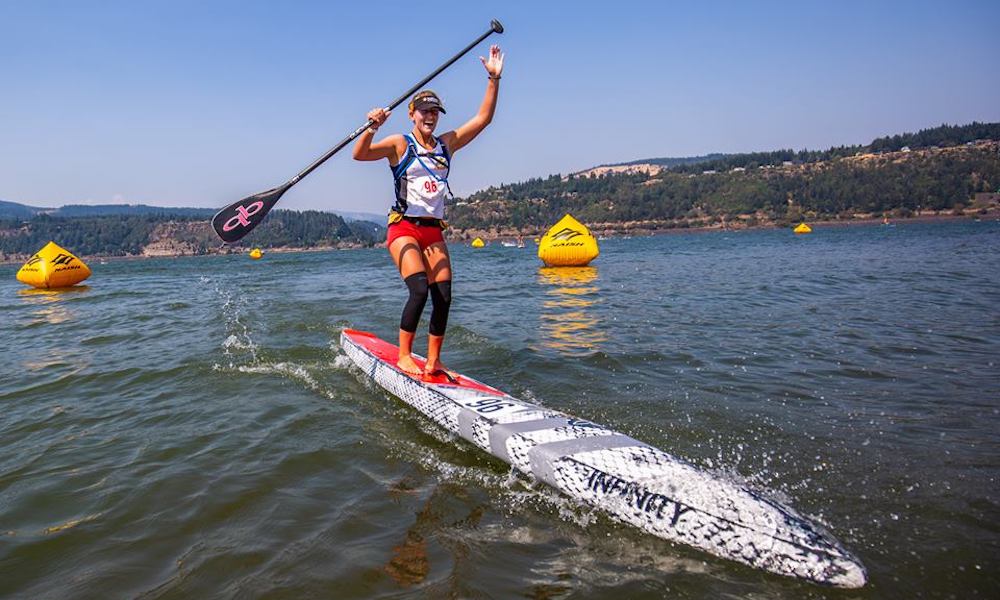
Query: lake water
(189, 428)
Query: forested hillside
(952, 170)
(158, 234)
(931, 171)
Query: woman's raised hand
(494, 65)
(378, 116)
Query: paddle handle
(495, 27)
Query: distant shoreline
(611, 230)
(857, 222)
(604, 230)
(91, 258)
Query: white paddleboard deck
(633, 482)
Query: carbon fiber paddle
(239, 218)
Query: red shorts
(426, 233)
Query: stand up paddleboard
(633, 482)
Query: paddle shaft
(495, 27)
(238, 219)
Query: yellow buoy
(568, 244)
(478, 243)
(802, 228)
(53, 267)
(256, 254)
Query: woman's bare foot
(435, 367)
(408, 365)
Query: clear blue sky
(179, 103)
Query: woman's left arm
(468, 132)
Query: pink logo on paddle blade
(242, 213)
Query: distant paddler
(420, 164)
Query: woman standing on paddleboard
(420, 162)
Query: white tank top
(421, 179)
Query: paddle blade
(239, 218)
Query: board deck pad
(631, 481)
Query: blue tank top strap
(444, 150)
(408, 158)
(433, 155)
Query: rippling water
(189, 428)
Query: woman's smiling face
(425, 120)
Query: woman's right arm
(387, 147)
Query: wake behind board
(631, 481)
